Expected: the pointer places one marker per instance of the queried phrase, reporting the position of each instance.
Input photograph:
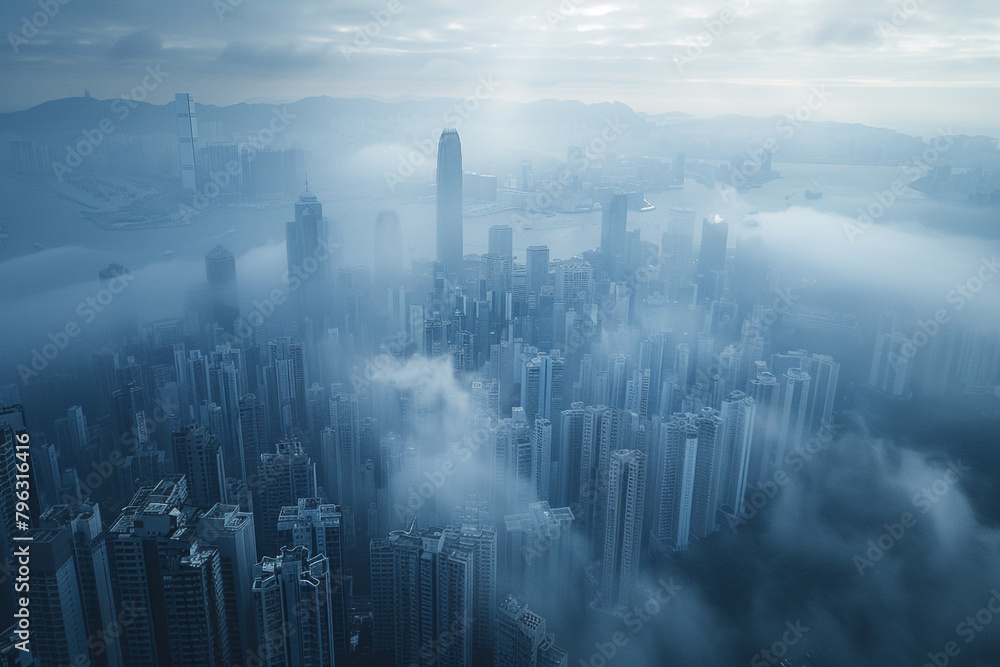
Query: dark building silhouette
(449, 203)
(613, 221)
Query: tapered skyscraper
(449, 202)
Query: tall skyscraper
(292, 599)
(738, 412)
(538, 551)
(198, 456)
(677, 248)
(283, 477)
(232, 532)
(449, 203)
(675, 483)
(57, 634)
(522, 640)
(251, 434)
(501, 241)
(613, 222)
(444, 582)
(172, 582)
(318, 526)
(311, 261)
(626, 490)
(537, 264)
(93, 575)
(220, 272)
(712, 256)
(187, 140)
(790, 416)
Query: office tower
(712, 256)
(738, 412)
(599, 438)
(637, 394)
(388, 247)
(283, 477)
(77, 423)
(537, 267)
(685, 480)
(823, 372)
(705, 497)
(93, 575)
(626, 488)
(618, 377)
(291, 594)
(251, 434)
(172, 582)
(569, 448)
(522, 640)
(318, 527)
(512, 463)
(538, 551)
(342, 452)
(653, 357)
(790, 416)
(187, 140)
(57, 635)
(501, 242)
(541, 457)
(613, 221)
(542, 386)
(198, 456)
(285, 389)
(220, 273)
(311, 261)
(449, 203)
(444, 582)
(383, 596)
(232, 532)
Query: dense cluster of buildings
(247, 486)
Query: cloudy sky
(914, 67)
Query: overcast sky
(936, 64)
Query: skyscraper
(310, 260)
(613, 221)
(676, 249)
(283, 477)
(172, 582)
(198, 456)
(626, 490)
(712, 256)
(90, 557)
(318, 526)
(522, 640)
(57, 636)
(501, 241)
(738, 412)
(187, 140)
(537, 267)
(232, 532)
(444, 582)
(449, 203)
(293, 609)
(538, 551)
(220, 273)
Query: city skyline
(385, 335)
